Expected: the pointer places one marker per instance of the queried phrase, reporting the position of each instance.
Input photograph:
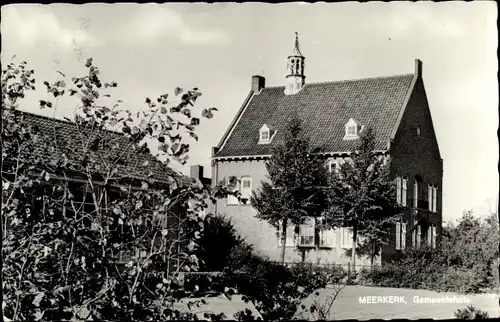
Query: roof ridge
(64, 121)
(346, 80)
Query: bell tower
(295, 78)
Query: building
(333, 115)
(132, 168)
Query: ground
(347, 305)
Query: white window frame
(419, 236)
(346, 237)
(351, 130)
(233, 200)
(429, 236)
(401, 235)
(398, 236)
(430, 196)
(404, 192)
(334, 163)
(434, 198)
(264, 135)
(399, 190)
(327, 237)
(434, 236)
(307, 233)
(415, 193)
(404, 228)
(246, 192)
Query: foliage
(463, 261)
(277, 291)
(362, 196)
(110, 246)
(471, 313)
(295, 181)
(321, 307)
(221, 247)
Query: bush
(464, 262)
(471, 313)
(221, 247)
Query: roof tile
(324, 109)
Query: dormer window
(352, 130)
(266, 134)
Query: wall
(261, 234)
(414, 154)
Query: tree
(62, 241)
(362, 196)
(295, 180)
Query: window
(401, 187)
(398, 190)
(434, 236)
(265, 133)
(233, 185)
(246, 189)
(306, 233)
(290, 235)
(400, 235)
(434, 198)
(327, 238)
(419, 235)
(347, 236)
(430, 196)
(351, 130)
(403, 192)
(333, 166)
(415, 194)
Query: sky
(150, 49)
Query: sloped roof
(324, 109)
(133, 165)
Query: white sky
(151, 49)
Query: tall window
(403, 191)
(415, 194)
(246, 189)
(434, 198)
(347, 236)
(419, 235)
(434, 236)
(430, 196)
(400, 235)
(398, 190)
(306, 233)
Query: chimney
(418, 67)
(258, 83)
(196, 172)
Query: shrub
(221, 247)
(471, 313)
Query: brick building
(334, 114)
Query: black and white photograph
(250, 161)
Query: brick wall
(413, 154)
